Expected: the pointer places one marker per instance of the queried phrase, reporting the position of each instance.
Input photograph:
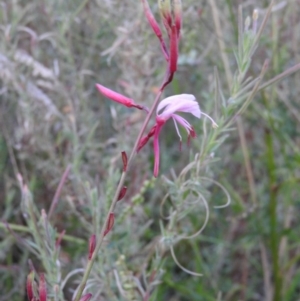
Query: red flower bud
(153, 23)
(122, 193)
(128, 102)
(110, 223)
(86, 297)
(124, 159)
(173, 50)
(145, 139)
(92, 245)
(165, 9)
(29, 285)
(177, 7)
(42, 288)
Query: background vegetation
(56, 128)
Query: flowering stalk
(115, 199)
(108, 222)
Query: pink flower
(169, 106)
(119, 98)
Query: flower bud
(125, 160)
(122, 193)
(177, 9)
(92, 245)
(153, 23)
(173, 50)
(86, 297)
(110, 223)
(117, 97)
(165, 10)
(42, 288)
(29, 285)
(145, 139)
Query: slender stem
(58, 191)
(247, 161)
(25, 229)
(218, 27)
(280, 76)
(115, 199)
(35, 228)
(274, 237)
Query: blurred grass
(51, 55)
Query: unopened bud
(145, 139)
(165, 10)
(110, 223)
(153, 23)
(92, 245)
(42, 288)
(122, 193)
(177, 8)
(125, 160)
(29, 285)
(117, 97)
(173, 50)
(86, 297)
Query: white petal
(174, 99)
(187, 106)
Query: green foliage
(167, 231)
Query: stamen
(177, 130)
(214, 124)
(192, 132)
